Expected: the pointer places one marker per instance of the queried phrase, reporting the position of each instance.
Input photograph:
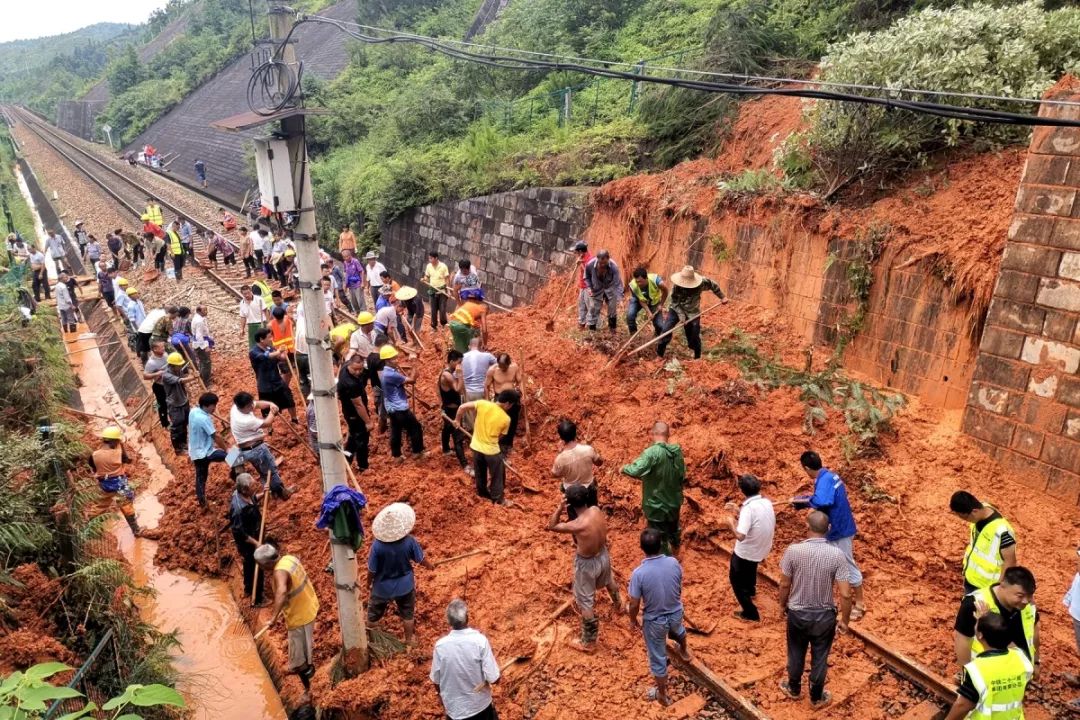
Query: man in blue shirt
(396, 401)
(390, 573)
(830, 497)
(657, 584)
(205, 444)
(268, 365)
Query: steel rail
(911, 670)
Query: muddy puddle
(221, 673)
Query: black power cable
(972, 114)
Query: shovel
(505, 666)
(550, 324)
(696, 629)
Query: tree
(126, 72)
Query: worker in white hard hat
(108, 462)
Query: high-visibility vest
(282, 332)
(154, 215)
(1000, 681)
(653, 288)
(301, 604)
(175, 246)
(463, 314)
(264, 292)
(1027, 619)
(982, 558)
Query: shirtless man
(505, 375)
(592, 565)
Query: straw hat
(687, 278)
(405, 293)
(393, 522)
(386, 290)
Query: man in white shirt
(474, 367)
(362, 342)
(247, 429)
(57, 250)
(200, 342)
(753, 541)
(463, 668)
(373, 275)
(252, 313)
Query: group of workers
(481, 404)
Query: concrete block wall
(514, 239)
(914, 337)
(1024, 401)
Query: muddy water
(221, 673)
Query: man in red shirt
(584, 296)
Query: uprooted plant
(867, 411)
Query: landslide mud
(221, 674)
(909, 551)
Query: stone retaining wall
(514, 239)
(1024, 403)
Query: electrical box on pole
(273, 167)
(285, 181)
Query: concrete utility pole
(353, 632)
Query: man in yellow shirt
(436, 274)
(491, 423)
(294, 597)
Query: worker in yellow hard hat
(176, 399)
(108, 462)
(396, 401)
(339, 339)
(362, 341)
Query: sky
(37, 18)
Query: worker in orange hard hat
(108, 462)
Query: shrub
(1015, 51)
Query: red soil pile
(953, 216)
(909, 550)
(29, 633)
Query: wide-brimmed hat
(393, 522)
(687, 278)
(405, 293)
(370, 255)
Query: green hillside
(410, 126)
(43, 71)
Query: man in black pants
(353, 398)
(753, 541)
(245, 520)
(685, 306)
(451, 388)
(176, 396)
(810, 569)
(153, 370)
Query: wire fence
(77, 682)
(581, 104)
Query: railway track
(222, 288)
(931, 693)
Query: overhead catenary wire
(637, 65)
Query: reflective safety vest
(982, 558)
(1027, 619)
(282, 332)
(653, 288)
(264, 291)
(301, 604)
(153, 214)
(464, 315)
(1000, 680)
(175, 246)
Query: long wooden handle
(262, 530)
(562, 296)
(664, 334)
